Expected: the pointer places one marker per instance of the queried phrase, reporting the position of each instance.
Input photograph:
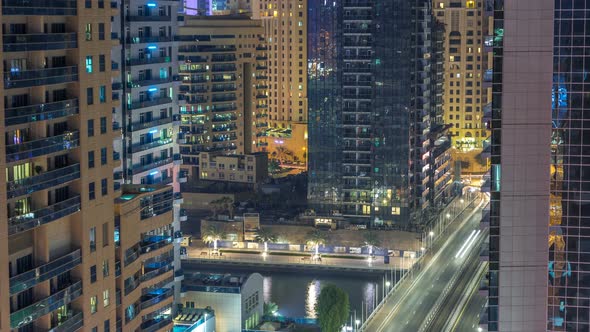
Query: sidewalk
(377, 264)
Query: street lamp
(387, 283)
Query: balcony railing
(72, 323)
(39, 42)
(39, 7)
(155, 324)
(43, 216)
(38, 77)
(40, 112)
(149, 39)
(46, 305)
(44, 272)
(150, 145)
(146, 82)
(138, 168)
(152, 18)
(43, 181)
(149, 300)
(148, 124)
(149, 103)
(148, 247)
(154, 273)
(145, 61)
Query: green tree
(264, 236)
(315, 239)
(213, 234)
(371, 241)
(332, 308)
(270, 308)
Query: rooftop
(215, 283)
(189, 319)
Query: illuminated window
(470, 4)
(395, 211)
(89, 63)
(93, 305)
(105, 298)
(366, 209)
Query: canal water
(296, 293)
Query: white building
(236, 299)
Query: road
(468, 320)
(409, 307)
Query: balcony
(179, 275)
(44, 272)
(43, 216)
(43, 181)
(39, 7)
(177, 159)
(39, 77)
(182, 177)
(138, 168)
(156, 272)
(149, 39)
(148, 124)
(146, 82)
(156, 324)
(40, 112)
(154, 297)
(154, 243)
(51, 303)
(150, 145)
(39, 42)
(224, 108)
(69, 323)
(149, 103)
(178, 198)
(152, 18)
(147, 61)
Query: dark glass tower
(377, 150)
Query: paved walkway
(377, 264)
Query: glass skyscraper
(539, 225)
(378, 152)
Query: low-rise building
(195, 320)
(251, 168)
(236, 299)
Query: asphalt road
(410, 306)
(469, 318)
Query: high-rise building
(57, 190)
(144, 238)
(285, 33)
(465, 66)
(538, 249)
(224, 87)
(148, 113)
(378, 150)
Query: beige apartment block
(467, 88)
(251, 168)
(145, 257)
(57, 188)
(223, 88)
(285, 32)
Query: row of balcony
(138, 147)
(46, 305)
(147, 60)
(39, 42)
(39, 7)
(154, 81)
(44, 272)
(42, 181)
(30, 220)
(41, 147)
(40, 112)
(153, 123)
(149, 103)
(39, 77)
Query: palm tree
(264, 236)
(315, 239)
(213, 234)
(371, 241)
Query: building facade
(465, 93)
(285, 33)
(224, 88)
(374, 98)
(538, 214)
(144, 266)
(57, 187)
(252, 168)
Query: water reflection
(313, 292)
(368, 297)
